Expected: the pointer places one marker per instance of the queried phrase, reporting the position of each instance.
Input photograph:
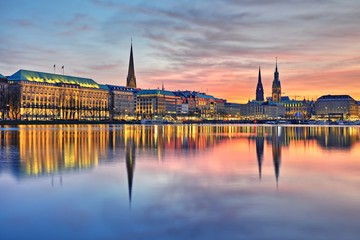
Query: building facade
(122, 102)
(46, 96)
(152, 104)
(340, 106)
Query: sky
(211, 46)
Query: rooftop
(122, 88)
(155, 92)
(336, 97)
(33, 76)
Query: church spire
(259, 89)
(131, 79)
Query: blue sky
(215, 46)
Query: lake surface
(179, 182)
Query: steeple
(131, 79)
(276, 86)
(259, 89)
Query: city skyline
(215, 48)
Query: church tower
(276, 86)
(131, 79)
(259, 89)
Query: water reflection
(46, 150)
(130, 166)
(180, 181)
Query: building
(131, 79)
(200, 104)
(156, 103)
(232, 111)
(276, 86)
(47, 96)
(273, 110)
(252, 110)
(122, 102)
(259, 89)
(295, 109)
(338, 106)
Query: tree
(4, 101)
(15, 101)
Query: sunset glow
(212, 47)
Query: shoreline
(250, 122)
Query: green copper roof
(155, 92)
(33, 76)
(2, 76)
(104, 87)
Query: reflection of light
(279, 131)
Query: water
(179, 182)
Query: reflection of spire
(276, 148)
(130, 166)
(260, 152)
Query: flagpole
(63, 68)
(54, 68)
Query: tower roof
(276, 83)
(131, 79)
(259, 88)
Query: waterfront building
(252, 110)
(199, 104)
(259, 89)
(156, 103)
(206, 105)
(220, 107)
(232, 111)
(273, 110)
(295, 109)
(276, 86)
(339, 106)
(47, 96)
(131, 79)
(122, 102)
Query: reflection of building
(46, 151)
(336, 138)
(47, 96)
(276, 150)
(341, 106)
(260, 152)
(130, 165)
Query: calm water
(179, 182)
